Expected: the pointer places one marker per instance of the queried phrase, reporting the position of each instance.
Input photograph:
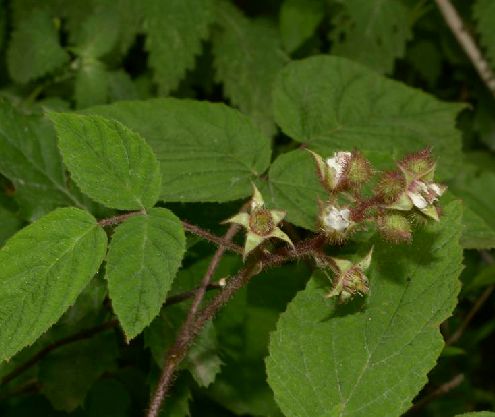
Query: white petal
(418, 200)
(338, 163)
(337, 219)
(437, 188)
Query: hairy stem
(177, 352)
(467, 43)
(220, 241)
(191, 228)
(111, 221)
(188, 333)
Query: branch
(120, 218)
(467, 43)
(186, 334)
(198, 231)
(220, 241)
(88, 333)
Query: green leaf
(479, 222)
(248, 56)
(373, 33)
(67, 374)
(34, 49)
(293, 185)
(44, 268)
(143, 258)
(30, 159)
(208, 152)
(126, 16)
(92, 84)
(97, 37)
(370, 360)
(484, 14)
(298, 21)
(9, 224)
(121, 86)
(331, 104)
(175, 29)
(110, 163)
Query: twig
(186, 336)
(220, 241)
(120, 218)
(467, 43)
(176, 353)
(440, 391)
(467, 320)
(88, 333)
(198, 231)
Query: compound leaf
(331, 103)
(371, 360)
(34, 49)
(484, 13)
(175, 29)
(45, 267)
(248, 56)
(373, 33)
(143, 258)
(110, 163)
(298, 21)
(208, 152)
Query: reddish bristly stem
(195, 323)
(111, 221)
(176, 353)
(191, 228)
(218, 240)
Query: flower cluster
(352, 204)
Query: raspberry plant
(219, 208)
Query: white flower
(338, 163)
(422, 195)
(337, 219)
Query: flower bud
(395, 227)
(357, 171)
(391, 187)
(417, 164)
